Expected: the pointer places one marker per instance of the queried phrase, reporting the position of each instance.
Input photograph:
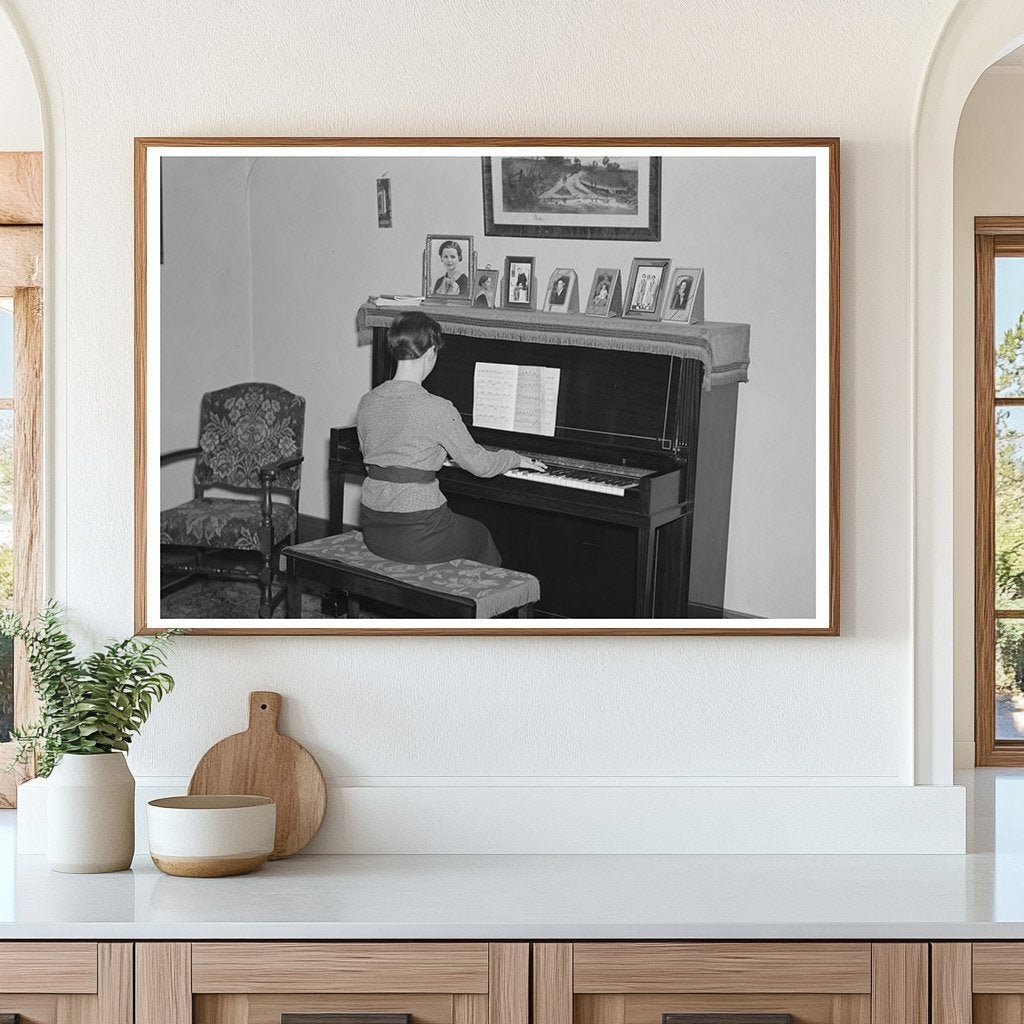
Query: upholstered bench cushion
(223, 523)
(494, 590)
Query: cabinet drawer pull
(339, 1018)
(727, 1018)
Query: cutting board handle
(264, 710)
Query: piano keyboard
(578, 474)
(577, 479)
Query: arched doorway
(977, 33)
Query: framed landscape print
(356, 431)
(609, 196)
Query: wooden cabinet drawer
(260, 982)
(813, 982)
(60, 982)
(979, 982)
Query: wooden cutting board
(262, 762)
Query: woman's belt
(401, 474)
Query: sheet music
(523, 399)
(494, 395)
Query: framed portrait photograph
(646, 289)
(611, 196)
(605, 298)
(449, 263)
(685, 302)
(485, 289)
(393, 441)
(519, 284)
(562, 296)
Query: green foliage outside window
(1009, 511)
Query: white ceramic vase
(90, 814)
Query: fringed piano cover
(724, 349)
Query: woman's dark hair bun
(412, 334)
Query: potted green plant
(90, 708)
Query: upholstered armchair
(250, 444)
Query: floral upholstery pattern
(494, 590)
(243, 428)
(223, 523)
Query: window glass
(1009, 679)
(6, 353)
(1009, 327)
(1009, 524)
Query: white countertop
(497, 897)
(977, 896)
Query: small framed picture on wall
(485, 289)
(519, 288)
(449, 263)
(646, 289)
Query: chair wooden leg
(293, 597)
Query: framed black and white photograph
(485, 288)
(646, 289)
(611, 196)
(519, 284)
(449, 265)
(561, 294)
(444, 457)
(605, 297)
(685, 286)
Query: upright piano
(628, 522)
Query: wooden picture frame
(704, 367)
(520, 282)
(645, 293)
(449, 263)
(605, 198)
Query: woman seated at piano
(406, 434)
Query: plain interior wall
(987, 182)
(732, 712)
(207, 317)
(305, 229)
(21, 127)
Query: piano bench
(460, 589)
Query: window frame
(21, 270)
(993, 237)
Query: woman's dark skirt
(433, 535)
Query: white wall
(988, 182)
(21, 127)
(428, 716)
(305, 230)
